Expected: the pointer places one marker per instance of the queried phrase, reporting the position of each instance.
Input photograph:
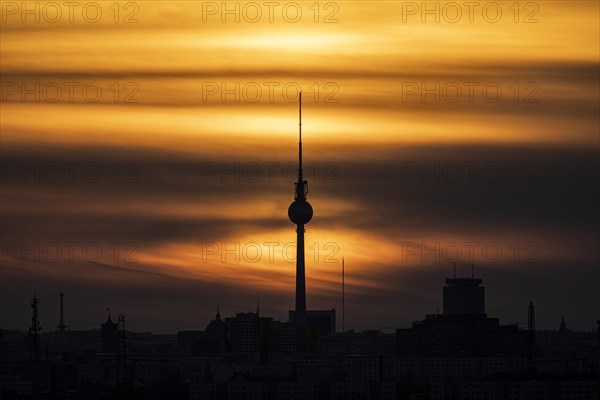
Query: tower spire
(301, 185)
(300, 136)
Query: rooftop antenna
(343, 298)
(61, 325)
(531, 329)
(472, 270)
(454, 270)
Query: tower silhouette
(300, 213)
(34, 330)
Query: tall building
(251, 336)
(463, 330)
(108, 333)
(300, 213)
(464, 296)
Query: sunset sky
(148, 156)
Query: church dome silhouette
(217, 327)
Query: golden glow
(196, 93)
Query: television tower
(300, 213)
(61, 326)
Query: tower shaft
(300, 317)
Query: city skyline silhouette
(300, 212)
(256, 353)
(448, 247)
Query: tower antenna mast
(61, 325)
(34, 330)
(300, 136)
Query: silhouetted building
(215, 336)
(461, 336)
(211, 341)
(464, 296)
(516, 390)
(188, 342)
(252, 337)
(463, 330)
(323, 321)
(108, 334)
(369, 342)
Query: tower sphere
(300, 212)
